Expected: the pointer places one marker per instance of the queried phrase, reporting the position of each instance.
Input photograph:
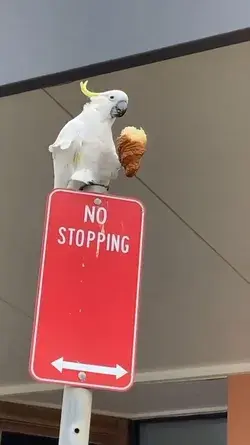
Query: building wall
(21, 424)
(43, 37)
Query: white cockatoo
(84, 150)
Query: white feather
(84, 149)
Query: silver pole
(77, 402)
(76, 416)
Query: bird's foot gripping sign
(87, 304)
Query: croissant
(131, 146)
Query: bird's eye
(111, 97)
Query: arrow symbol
(118, 371)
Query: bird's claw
(90, 183)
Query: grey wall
(184, 432)
(39, 37)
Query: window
(189, 431)
(24, 439)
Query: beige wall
(195, 295)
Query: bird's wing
(64, 152)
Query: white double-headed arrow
(60, 364)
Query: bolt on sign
(85, 323)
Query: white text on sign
(98, 240)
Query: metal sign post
(77, 402)
(75, 417)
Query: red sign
(85, 323)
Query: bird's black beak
(119, 109)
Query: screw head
(97, 201)
(82, 376)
